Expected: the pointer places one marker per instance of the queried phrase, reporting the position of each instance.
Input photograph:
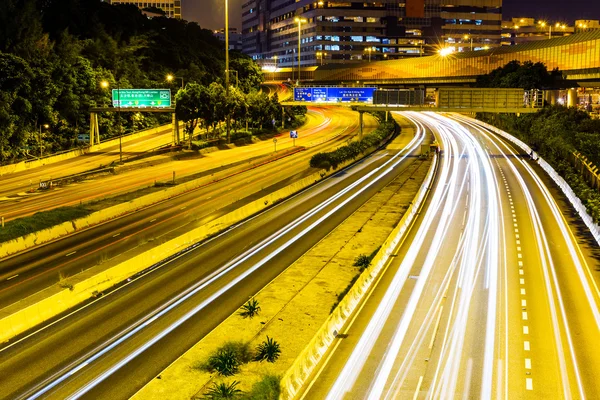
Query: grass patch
(40, 221)
(266, 389)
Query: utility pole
(227, 62)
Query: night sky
(210, 13)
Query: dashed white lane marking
(519, 255)
(518, 248)
(153, 220)
(529, 384)
(518, 242)
(520, 264)
(525, 330)
(12, 277)
(117, 234)
(526, 345)
(516, 230)
(71, 253)
(183, 208)
(523, 303)
(521, 272)
(524, 315)
(528, 363)
(522, 281)
(523, 291)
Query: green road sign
(141, 98)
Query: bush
(266, 389)
(268, 350)
(250, 309)
(362, 261)
(228, 358)
(353, 149)
(223, 391)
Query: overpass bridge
(576, 56)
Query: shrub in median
(250, 309)
(228, 358)
(352, 150)
(268, 350)
(266, 389)
(222, 391)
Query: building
(235, 38)
(525, 30)
(342, 31)
(172, 8)
(584, 25)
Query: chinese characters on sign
(141, 98)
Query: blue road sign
(294, 134)
(335, 94)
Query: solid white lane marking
(526, 330)
(526, 345)
(523, 291)
(437, 324)
(528, 363)
(523, 303)
(524, 315)
(12, 277)
(71, 253)
(416, 395)
(115, 235)
(529, 383)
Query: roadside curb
(312, 354)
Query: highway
(20, 182)
(493, 294)
(320, 124)
(27, 273)
(112, 346)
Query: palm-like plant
(250, 309)
(224, 362)
(223, 391)
(268, 350)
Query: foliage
(55, 53)
(250, 309)
(555, 133)
(192, 103)
(223, 391)
(268, 350)
(527, 75)
(362, 261)
(228, 358)
(268, 388)
(353, 149)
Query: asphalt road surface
(114, 345)
(31, 271)
(493, 294)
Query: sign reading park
(141, 98)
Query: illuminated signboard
(334, 94)
(140, 98)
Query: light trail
(65, 373)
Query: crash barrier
(311, 355)
(560, 182)
(62, 156)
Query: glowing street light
(370, 50)
(45, 126)
(299, 21)
(467, 37)
(171, 78)
(321, 54)
(446, 51)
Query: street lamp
(370, 50)
(299, 21)
(543, 25)
(105, 85)
(321, 54)
(227, 61)
(274, 69)
(171, 78)
(467, 37)
(45, 126)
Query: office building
(343, 31)
(235, 38)
(171, 8)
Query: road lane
(247, 257)
(505, 306)
(40, 267)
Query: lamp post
(370, 51)
(45, 126)
(105, 84)
(171, 77)
(320, 55)
(299, 21)
(275, 69)
(227, 61)
(467, 37)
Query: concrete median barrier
(309, 358)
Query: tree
(516, 75)
(268, 350)
(191, 105)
